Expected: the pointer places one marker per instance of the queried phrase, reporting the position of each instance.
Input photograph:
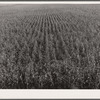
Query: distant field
(50, 46)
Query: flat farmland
(45, 46)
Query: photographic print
(49, 46)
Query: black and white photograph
(50, 46)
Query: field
(49, 46)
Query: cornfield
(50, 47)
